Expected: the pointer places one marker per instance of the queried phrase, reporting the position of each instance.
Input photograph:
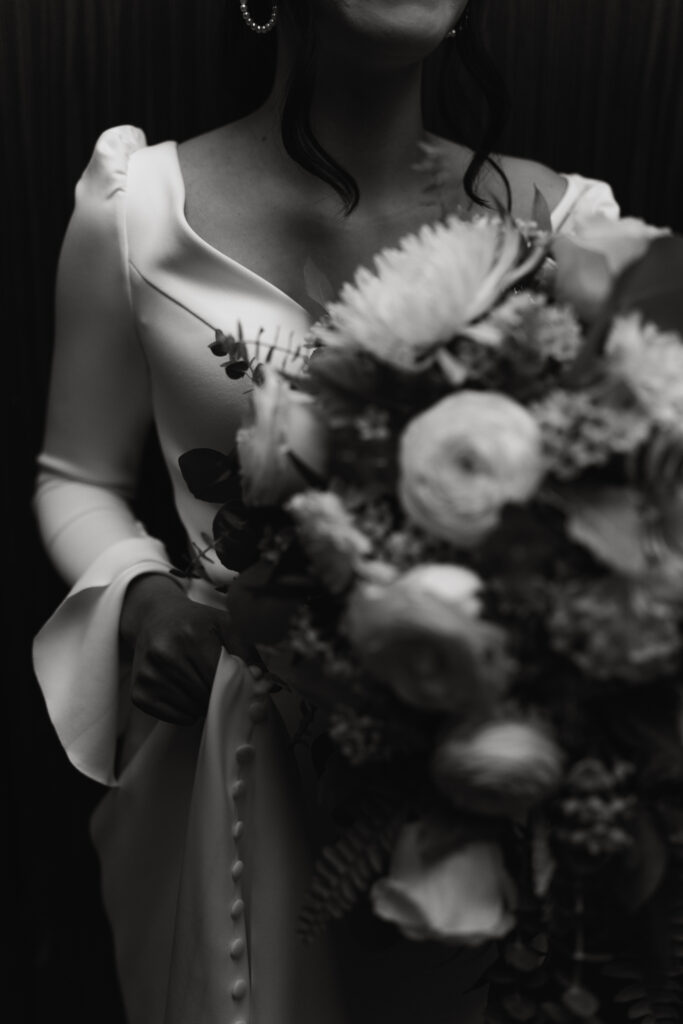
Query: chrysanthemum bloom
(650, 363)
(437, 284)
(284, 444)
(502, 768)
(336, 548)
(463, 460)
(463, 898)
(422, 636)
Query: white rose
(463, 460)
(463, 898)
(284, 445)
(594, 255)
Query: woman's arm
(123, 595)
(99, 408)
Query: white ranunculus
(464, 459)
(463, 898)
(435, 285)
(283, 446)
(422, 636)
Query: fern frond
(347, 868)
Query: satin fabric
(203, 837)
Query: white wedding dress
(202, 837)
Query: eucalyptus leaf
(541, 211)
(223, 344)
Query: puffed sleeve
(99, 412)
(583, 199)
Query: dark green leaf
(643, 866)
(639, 1010)
(558, 1014)
(305, 471)
(580, 1002)
(629, 994)
(541, 211)
(519, 1007)
(653, 285)
(210, 475)
(236, 539)
(522, 958)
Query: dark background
(597, 87)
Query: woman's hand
(175, 644)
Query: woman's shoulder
(107, 169)
(527, 178)
(568, 196)
(225, 156)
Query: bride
(203, 837)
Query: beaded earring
(461, 27)
(253, 25)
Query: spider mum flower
(650, 363)
(435, 285)
(463, 460)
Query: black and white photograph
(344, 510)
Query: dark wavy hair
(464, 99)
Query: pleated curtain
(597, 88)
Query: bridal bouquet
(460, 536)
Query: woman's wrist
(144, 594)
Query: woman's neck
(369, 120)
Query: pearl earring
(253, 25)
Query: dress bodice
(140, 295)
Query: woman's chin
(388, 31)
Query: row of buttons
(244, 755)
